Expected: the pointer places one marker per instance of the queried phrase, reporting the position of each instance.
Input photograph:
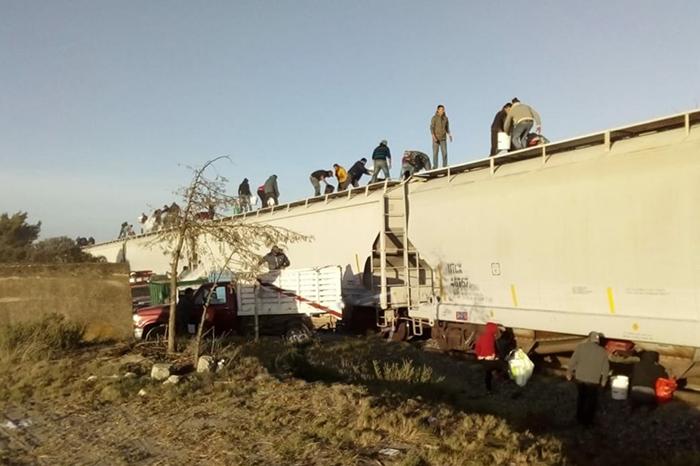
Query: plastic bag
(520, 367)
(664, 389)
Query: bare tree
(201, 230)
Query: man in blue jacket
(382, 161)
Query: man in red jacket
(485, 349)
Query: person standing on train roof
(381, 157)
(590, 367)
(317, 177)
(244, 195)
(497, 127)
(356, 171)
(440, 131)
(520, 120)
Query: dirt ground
(338, 401)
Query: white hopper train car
(593, 233)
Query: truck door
(221, 312)
(225, 312)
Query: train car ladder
(399, 262)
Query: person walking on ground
(519, 122)
(381, 157)
(589, 365)
(440, 131)
(317, 177)
(485, 349)
(356, 171)
(643, 380)
(271, 190)
(342, 175)
(497, 127)
(244, 195)
(414, 161)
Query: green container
(160, 290)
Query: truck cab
(152, 322)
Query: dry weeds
(335, 402)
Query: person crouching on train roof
(590, 366)
(485, 349)
(414, 161)
(643, 380)
(356, 171)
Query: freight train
(598, 232)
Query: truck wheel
(298, 334)
(155, 333)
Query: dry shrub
(47, 337)
(405, 371)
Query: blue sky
(102, 104)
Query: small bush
(406, 371)
(43, 338)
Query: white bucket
(619, 386)
(503, 141)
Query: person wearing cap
(440, 131)
(589, 365)
(244, 195)
(317, 177)
(356, 171)
(519, 122)
(381, 157)
(497, 127)
(342, 175)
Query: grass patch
(47, 337)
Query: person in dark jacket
(183, 311)
(485, 349)
(643, 380)
(497, 127)
(317, 177)
(356, 171)
(276, 259)
(590, 366)
(271, 190)
(381, 157)
(414, 161)
(244, 195)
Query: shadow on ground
(400, 373)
